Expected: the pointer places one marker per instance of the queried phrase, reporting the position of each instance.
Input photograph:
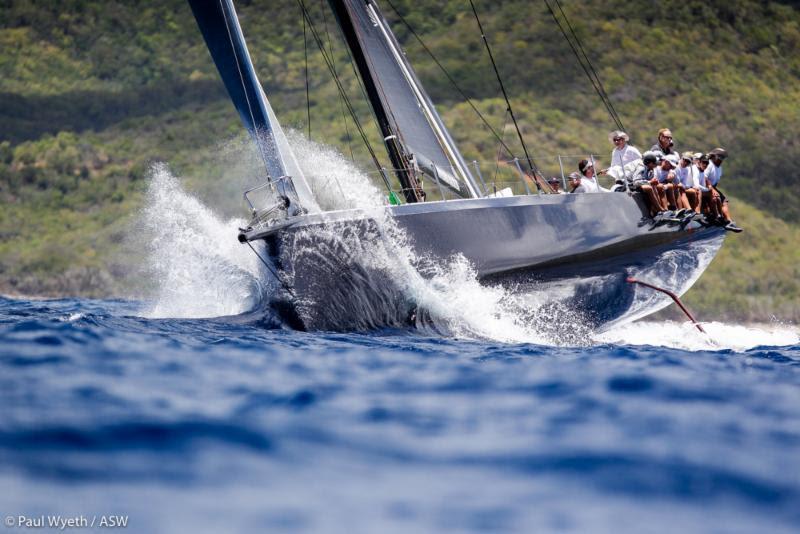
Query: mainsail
(220, 28)
(413, 131)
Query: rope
(450, 78)
(531, 164)
(308, 99)
(596, 83)
(333, 61)
(499, 148)
(616, 116)
(342, 92)
(271, 269)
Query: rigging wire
(591, 66)
(308, 99)
(449, 77)
(500, 147)
(342, 92)
(333, 61)
(531, 164)
(595, 80)
(259, 143)
(271, 270)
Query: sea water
(219, 425)
(191, 409)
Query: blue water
(224, 425)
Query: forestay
(220, 28)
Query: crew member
(713, 174)
(665, 143)
(640, 180)
(588, 181)
(555, 185)
(689, 186)
(664, 181)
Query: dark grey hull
(576, 249)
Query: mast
(400, 160)
(414, 134)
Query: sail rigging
(413, 131)
(220, 28)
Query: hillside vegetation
(92, 92)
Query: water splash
(196, 266)
(448, 300)
(685, 336)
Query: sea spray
(197, 268)
(447, 300)
(195, 264)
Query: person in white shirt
(588, 181)
(688, 184)
(710, 206)
(664, 181)
(622, 155)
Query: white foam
(685, 335)
(197, 268)
(455, 302)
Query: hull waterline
(576, 250)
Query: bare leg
(680, 196)
(708, 203)
(725, 211)
(652, 199)
(693, 199)
(662, 197)
(669, 190)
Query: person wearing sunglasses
(665, 143)
(622, 156)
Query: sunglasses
(618, 139)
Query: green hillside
(92, 92)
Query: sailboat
(581, 249)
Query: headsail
(405, 113)
(220, 28)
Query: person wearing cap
(710, 208)
(622, 155)
(575, 182)
(665, 145)
(555, 185)
(689, 185)
(640, 179)
(664, 181)
(623, 152)
(720, 202)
